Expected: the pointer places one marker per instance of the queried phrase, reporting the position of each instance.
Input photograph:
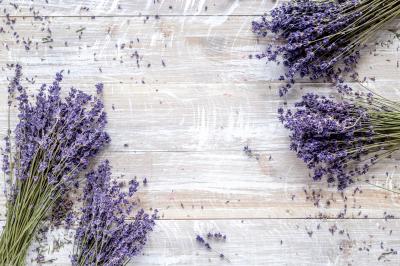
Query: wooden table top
(183, 99)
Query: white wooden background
(186, 123)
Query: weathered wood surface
(183, 125)
(207, 153)
(217, 47)
(262, 242)
(139, 7)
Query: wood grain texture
(217, 48)
(188, 176)
(196, 117)
(180, 113)
(262, 242)
(228, 184)
(138, 7)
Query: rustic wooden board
(216, 47)
(263, 242)
(138, 7)
(196, 117)
(207, 153)
(228, 184)
(181, 115)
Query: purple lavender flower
(99, 88)
(55, 139)
(342, 139)
(317, 35)
(216, 236)
(212, 236)
(105, 236)
(15, 84)
(200, 239)
(60, 134)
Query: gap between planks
(126, 16)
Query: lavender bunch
(53, 141)
(318, 35)
(104, 236)
(342, 139)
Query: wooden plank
(195, 50)
(196, 117)
(217, 185)
(208, 173)
(231, 185)
(263, 242)
(137, 7)
(209, 155)
(185, 125)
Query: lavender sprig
(212, 236)
(54, 140)
(342, 139)
(319, 35)
(105, 236)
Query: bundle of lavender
(53, 142)
(317, 35)
(104, 236)
(342, 139)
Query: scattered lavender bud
(211, 236)
(200, 239)
(99, 88)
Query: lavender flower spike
(105, 236)
(342, 139)
(318, 35)
(55, 139)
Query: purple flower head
(216, 236)
(212, 236)
(15, 84)
(61, 134)
(54, 140)
(104, 235)
(341, 139)
(317, 35)
(99, 88)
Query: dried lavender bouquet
(53, 141)
(105, 236)
(317, 35)
(341, 139)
